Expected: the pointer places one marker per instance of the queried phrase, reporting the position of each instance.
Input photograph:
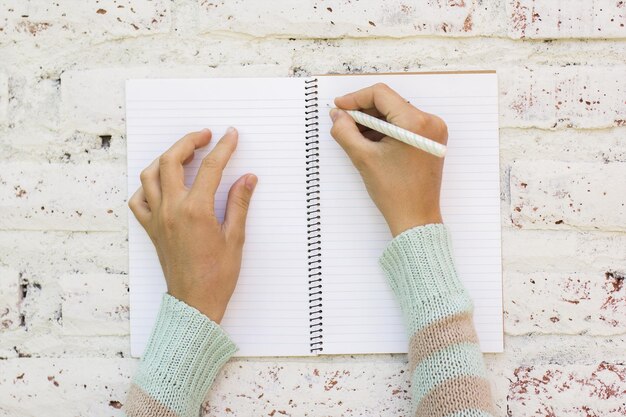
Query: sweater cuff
(420, 268)
(185, 352)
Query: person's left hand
(200, 256)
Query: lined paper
(361, 314)
(268, 313)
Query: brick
(41, 304)
(52, 343)
(562, 250)
(4, 98)
(49, 253)
(564, 19)
(101, 111)
(63, 196)
(565, 97)
(581, 357)
(568, 145)
(332, 388)
(34, 97)
(9, 300)
(596, 389)
(78, 387)
(336, 19)
(592, 303)
(92, 19)
(556, 195)
(95, 304)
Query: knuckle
(339, 130)
(417, 121)
(165, 159)
(144, 175)
(241, 202)
(335, 130)
(192, 210)
(441, 128)
(168, 219)
(435, 125)
(381, 88)
(134, 202)
(209, 162)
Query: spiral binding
(314, 229)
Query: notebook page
(361, 314)
(268, 313)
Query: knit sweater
(186, 349)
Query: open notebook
(313, 235)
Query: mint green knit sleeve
(185, 352)
(446, 363)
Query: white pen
(403, 135)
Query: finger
(150, 183)
(210, 172)
(347, 134)
(380, 97)
(395, 110)
(237, 206)
(139, 206)
(171, 169)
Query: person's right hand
(403, 181)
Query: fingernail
(230, 130)
(251, 181)
(205, 130)
(333, 114)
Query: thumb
(347, 134)
(239, 198)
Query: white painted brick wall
(592, 303)
(63, 275)
(30, 197)
(85, 386)
(549, 97)
(334, 19)
(95, 304)
(565, 19)
(568, 194)
(95, 20)
(4, 98)
(9, 300)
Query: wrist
(398, 225)
(205, 304)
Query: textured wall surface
(64, 346)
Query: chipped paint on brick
(98, 19)
(568, 97)
(4, 98)
(563, 19)
(568, 195)
(95, 304)
(597, 390)
(10, 300)
(395, 18)
(545, 302)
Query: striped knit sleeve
(448, 372)
(185, 352)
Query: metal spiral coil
(314, 243)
